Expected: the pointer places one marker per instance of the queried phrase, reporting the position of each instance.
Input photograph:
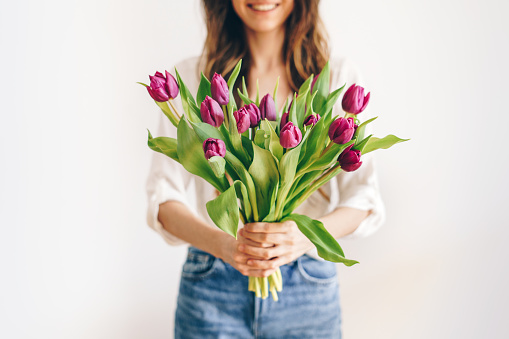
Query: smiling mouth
(262, 7)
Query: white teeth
(264, 7)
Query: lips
(263, 7)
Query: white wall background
(76, 257)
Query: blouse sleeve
(166, 181)
(359, 189)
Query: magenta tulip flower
(211, 112)
(163, 88)
(219, 89)
(214, 148)
(312, 119)
(350, 159)
(354, 101)
(268, 108)
(243, 119)
(290, 136)
(254, 114)
(341, 130)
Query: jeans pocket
(199, 264)
(317, 271)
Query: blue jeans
(214, 302)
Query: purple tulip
(214, 148)
(163, 88)
(354, 101)
(284, 120)
(219, 89)
(268, 108)
(290, 136)
(211, 112)
(254, 114)
(350, 159)
(341, 130)
(312, 119)
(242, 118)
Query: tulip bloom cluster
(263, 162)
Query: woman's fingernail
(250, 262)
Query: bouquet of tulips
(264, 163)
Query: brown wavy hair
(305, 49)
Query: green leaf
(322, 88)
(293, 112)
(331, 101)
(329, 158)
(260, 138)
(164, 145)
(287, 169)
(362, 144)
(203, 89)
(187, 98)
(327, 247)
(167, 111)
(235, 139)
(242, 194)
(274, 144)
(384, 143)
(191, 156)
(245, 99)
(205, 131)
(217, 164)
(141, 83)
(304, 88)
(231, 82)
(224, 211)
(265, 176)
(359, 132)
(246, 178)
(274, 96)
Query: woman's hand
(239, 260)
(267, 246)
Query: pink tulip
(214, 148)
(163, 88)
(312, 119)
(341, 130)
(290, 136)
(243, 120)
(254, 114)
(219, 89)
(350, 159)
(211, 112)
(268, 108)
(354, 101)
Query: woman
(279, 38)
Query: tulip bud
(268, 108)
(350, 159)
(242, 118)
(254, 114)
(211, 112)
(171, 85)
(214, 148)
(284, 120)
(341, 130)
(219, 89)
(290, 136)
(312, 119)
(162, 88)
(354, 101)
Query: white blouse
(168, 180)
